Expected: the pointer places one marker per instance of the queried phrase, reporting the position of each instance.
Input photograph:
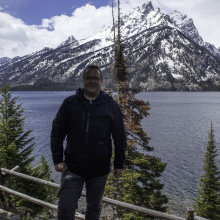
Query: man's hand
(61, 167)
(117, 173)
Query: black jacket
(90, 129)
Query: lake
(178, 124)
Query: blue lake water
(178, 124)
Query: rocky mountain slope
(163, 53)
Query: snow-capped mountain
(187, 26)
(71, 40)
(164, 52)
(4, 60)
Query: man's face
(92, 83)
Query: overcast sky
(27, 26)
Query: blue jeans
(70, 192)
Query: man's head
(92, 67)
(92, 81)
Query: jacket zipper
(83, 119)
(87, 125)
(87, 129)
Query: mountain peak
(4, 60)
(162, 49)
(146, 8)
(142, 10)
(178, 17)
(187, 26)
(70, 40)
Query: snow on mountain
(138, 20)
(70, 41)
(4, 60)
(187, 26)
(163, 52)
(145, 17)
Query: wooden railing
(149, 212)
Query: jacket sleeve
(58, 134)
(119, 137)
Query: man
(90, 120)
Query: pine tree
(139, 183)
(14, 142)
(134, 109)
(15, 149)
(208, 202)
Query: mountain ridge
(163, 52)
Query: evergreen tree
(134, 109)
(139, 183)
(14, 142)
(208, 202)
(15, 149)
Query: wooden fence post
(190, 214)
(3, 177)
(3, 199)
